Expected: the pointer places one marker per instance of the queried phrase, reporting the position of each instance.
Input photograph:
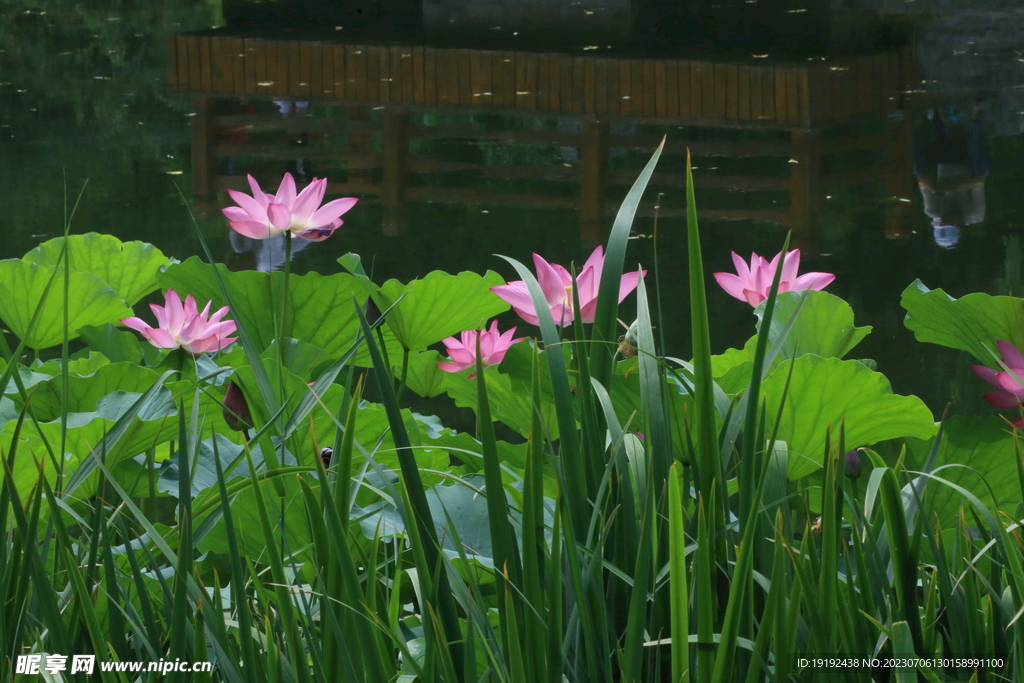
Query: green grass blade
(708, 468)
(503, 543)
(679, 592)
(605, 330)
(752, 451)
(416, 495)
(574, 467)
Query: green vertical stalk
(679, 593)
(66, 256)
(605, 329)
(508, 571)
(705, 572)
(752, 452)
(440, 594)
(540, 615)
(708, 463)
(904, 565)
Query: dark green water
(84, 104)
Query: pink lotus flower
(183, 326)
(1011, 396)
(493, 347)
(752, 283)
(556, 283)
(265, 215)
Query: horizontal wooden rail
(752, 92)
(706, 180)
(423, 165)
(462, 195)
(780, 217)
(305, 124)
(237, 182)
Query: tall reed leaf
(412, 485)
(708, 468)
(605, 319)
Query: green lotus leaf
(825, 391)
(303, 360)
(43, 372)
(85, 433)
(440, 305)
(116, 345)
(423, 377)
(84, 392)
(972, 323)
(320, 312)
(318, 429)
(724, 362)
(129, 267)
(625, 396)
(824, 327)
(91, 301)
(371, 425)
(518, 364)
(461, 507)
(204, 467)
(511, 407)
(289, 509)
(290, 390)
(736, 378)
(982, 457)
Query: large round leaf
(129, 267)
(983, 458)
(972, 323)
(827, 391)
(824, 327)
(116, 345)
(423, 377)
(91, 301)
(85, 392)
(441, 305)
(512, 408)
(86, 432)
(320, 307)
(289, 520)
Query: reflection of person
(951, 171)
(295, 110)
(267, 255)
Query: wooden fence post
(204, 137)
(805, 190)
(395, 172)
(593, 164)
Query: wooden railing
(798, 100)
(705, 92)
(396, 175)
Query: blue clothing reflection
(951, 169)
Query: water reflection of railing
(600, 103)
(806, 94)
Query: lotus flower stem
(284, 331)
(405, 370)
(657, 277)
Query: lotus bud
(236, 410)
(853, 464)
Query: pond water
(470, 128)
